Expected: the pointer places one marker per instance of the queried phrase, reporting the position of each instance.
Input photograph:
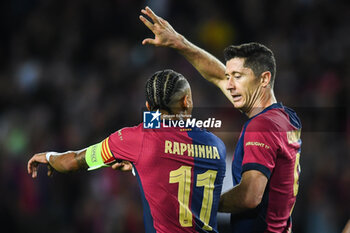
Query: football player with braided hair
(165, 89)
(180, 170)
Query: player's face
(242, 84)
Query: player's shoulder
(271, 120)
(216, 140)
(207, 136)
(218, 143)
(132, 128)
(131, 131)
(276, 119)
(208, 133)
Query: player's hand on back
(34, 163)
(124, 166)
(164, 33)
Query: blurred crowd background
(72, 72)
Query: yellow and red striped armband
(99, 155)
(106, 152)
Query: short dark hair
(164, 88)
(258, 57)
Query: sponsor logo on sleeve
(260, 144)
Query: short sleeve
(261, 145)
(126, 143)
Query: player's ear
(187, 101)
(265, 78)
(147, 105)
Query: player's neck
(266, 99)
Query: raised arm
(165, 35)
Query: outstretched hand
(34, 163)
(164, 33)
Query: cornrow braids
(163, 88)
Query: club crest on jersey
(151, 119)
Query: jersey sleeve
(261, 146)
(99, 155)
(126, 143)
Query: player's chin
(239, 105)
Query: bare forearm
(232, 201)
(69, 161)
(247, 195)
(207, 65)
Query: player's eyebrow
(233, 73)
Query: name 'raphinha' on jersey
(193, 150)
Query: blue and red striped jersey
(180, 172)
(270, 143)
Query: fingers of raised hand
(148, 41)
(147, 23)
(151, 14)
(164, 23)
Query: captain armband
(94, 158)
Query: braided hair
(164, 89)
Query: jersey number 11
(182, 176)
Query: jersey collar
(272, 106)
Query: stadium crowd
(72, 72)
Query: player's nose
(230, 84)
